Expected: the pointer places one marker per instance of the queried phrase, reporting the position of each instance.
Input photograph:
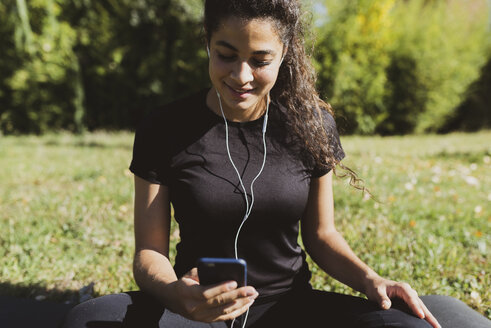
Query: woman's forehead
(258, 34)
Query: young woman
(244, 164)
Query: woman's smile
(241, 93)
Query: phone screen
(216, 270)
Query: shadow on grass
(33, 291)
(88, 144)
(34, 305)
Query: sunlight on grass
(66, 206)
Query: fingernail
(252, 293)
(232, 285)
(385, 305)
(421, 314)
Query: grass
(66, 205)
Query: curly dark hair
(295, 87)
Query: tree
(96, 64)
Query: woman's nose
(242, 73)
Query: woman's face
(245, 57)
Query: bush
(447, 41)
(475, 112)
(352, 58)
(399, 67)
(79, 65)
(39, 69)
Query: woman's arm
(325, 244)
(154, 273)
(152, 269)
(331, 252)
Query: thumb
(385, 303)
(382, 299)
(192, 274)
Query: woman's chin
(241, 105)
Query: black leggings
(310, 308)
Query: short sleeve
(150, 153)
(335, 146)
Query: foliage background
(388, 67)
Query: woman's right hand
(209, 303)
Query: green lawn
(66, 214)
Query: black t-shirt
(182, 146)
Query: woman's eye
(261, 63)
(255, 62)
(226, 58)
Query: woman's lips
(239, 93)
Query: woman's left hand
(381, 290)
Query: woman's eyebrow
(257, 52)
(226, 45)
(264, 52)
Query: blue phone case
(217, 270)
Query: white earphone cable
(248, 207)
(231, 160)
(252, 188)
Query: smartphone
(216, 270)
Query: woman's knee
(390, 318)
(108, 308)
(453, 313)
(113, 310)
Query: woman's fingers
(382, 290)
(220, 302)
(381, 297)
(192, 274)
(429, 317)
(408, 295)
(225, 306)
(217, 290)
(232, 310)
(226, 292)
(242, 295)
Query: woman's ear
(285, 50)
(207, 46)
(207, 41)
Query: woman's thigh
(453, 313)
(324, 309)
(127, 310)
(307, 309)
